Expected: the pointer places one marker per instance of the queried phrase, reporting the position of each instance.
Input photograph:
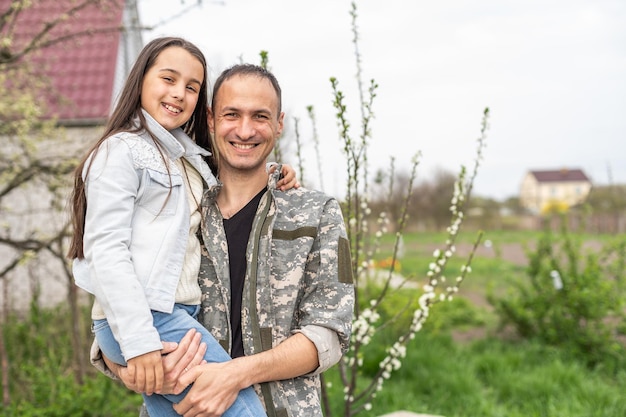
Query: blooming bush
(373, 289)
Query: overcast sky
(552, 72)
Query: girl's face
(170, 88)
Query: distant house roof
(560, 175)
(81, 68)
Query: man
(282, 306)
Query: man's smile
(243, 146)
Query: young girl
(136, 213)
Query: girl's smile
(170, 88)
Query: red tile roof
(560, 175)
(81, 67)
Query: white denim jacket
(136, 229)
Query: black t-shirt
(237, 230)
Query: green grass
(493, 378)
(485, 375)
(497, 237)
(489, 375)
(42, 378)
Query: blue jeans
(172, 327)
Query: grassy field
(459, 365)
(493, 378)
(462, 365)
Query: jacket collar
(175, 142)
(274, 177)
(210, 194)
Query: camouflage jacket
(298, 279)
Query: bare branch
(41, 40)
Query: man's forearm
(295, 356)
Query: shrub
(572, 298)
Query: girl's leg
(172, 327)
(159, 406)
(108, 345)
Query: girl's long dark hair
(127, 110)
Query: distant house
(554, 189)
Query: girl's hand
(288, 180)
(176, 359)
(145, 372)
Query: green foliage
(570, 298)
(610, 199)
(455, 314)
(487, 377)
(492, 378)
(42, 380)
(396, 310)
(61, 396)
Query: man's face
(245, 123)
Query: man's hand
(216, 385)
(121, 372)
(188, 353)
(215, 389)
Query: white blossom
(556, 280)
